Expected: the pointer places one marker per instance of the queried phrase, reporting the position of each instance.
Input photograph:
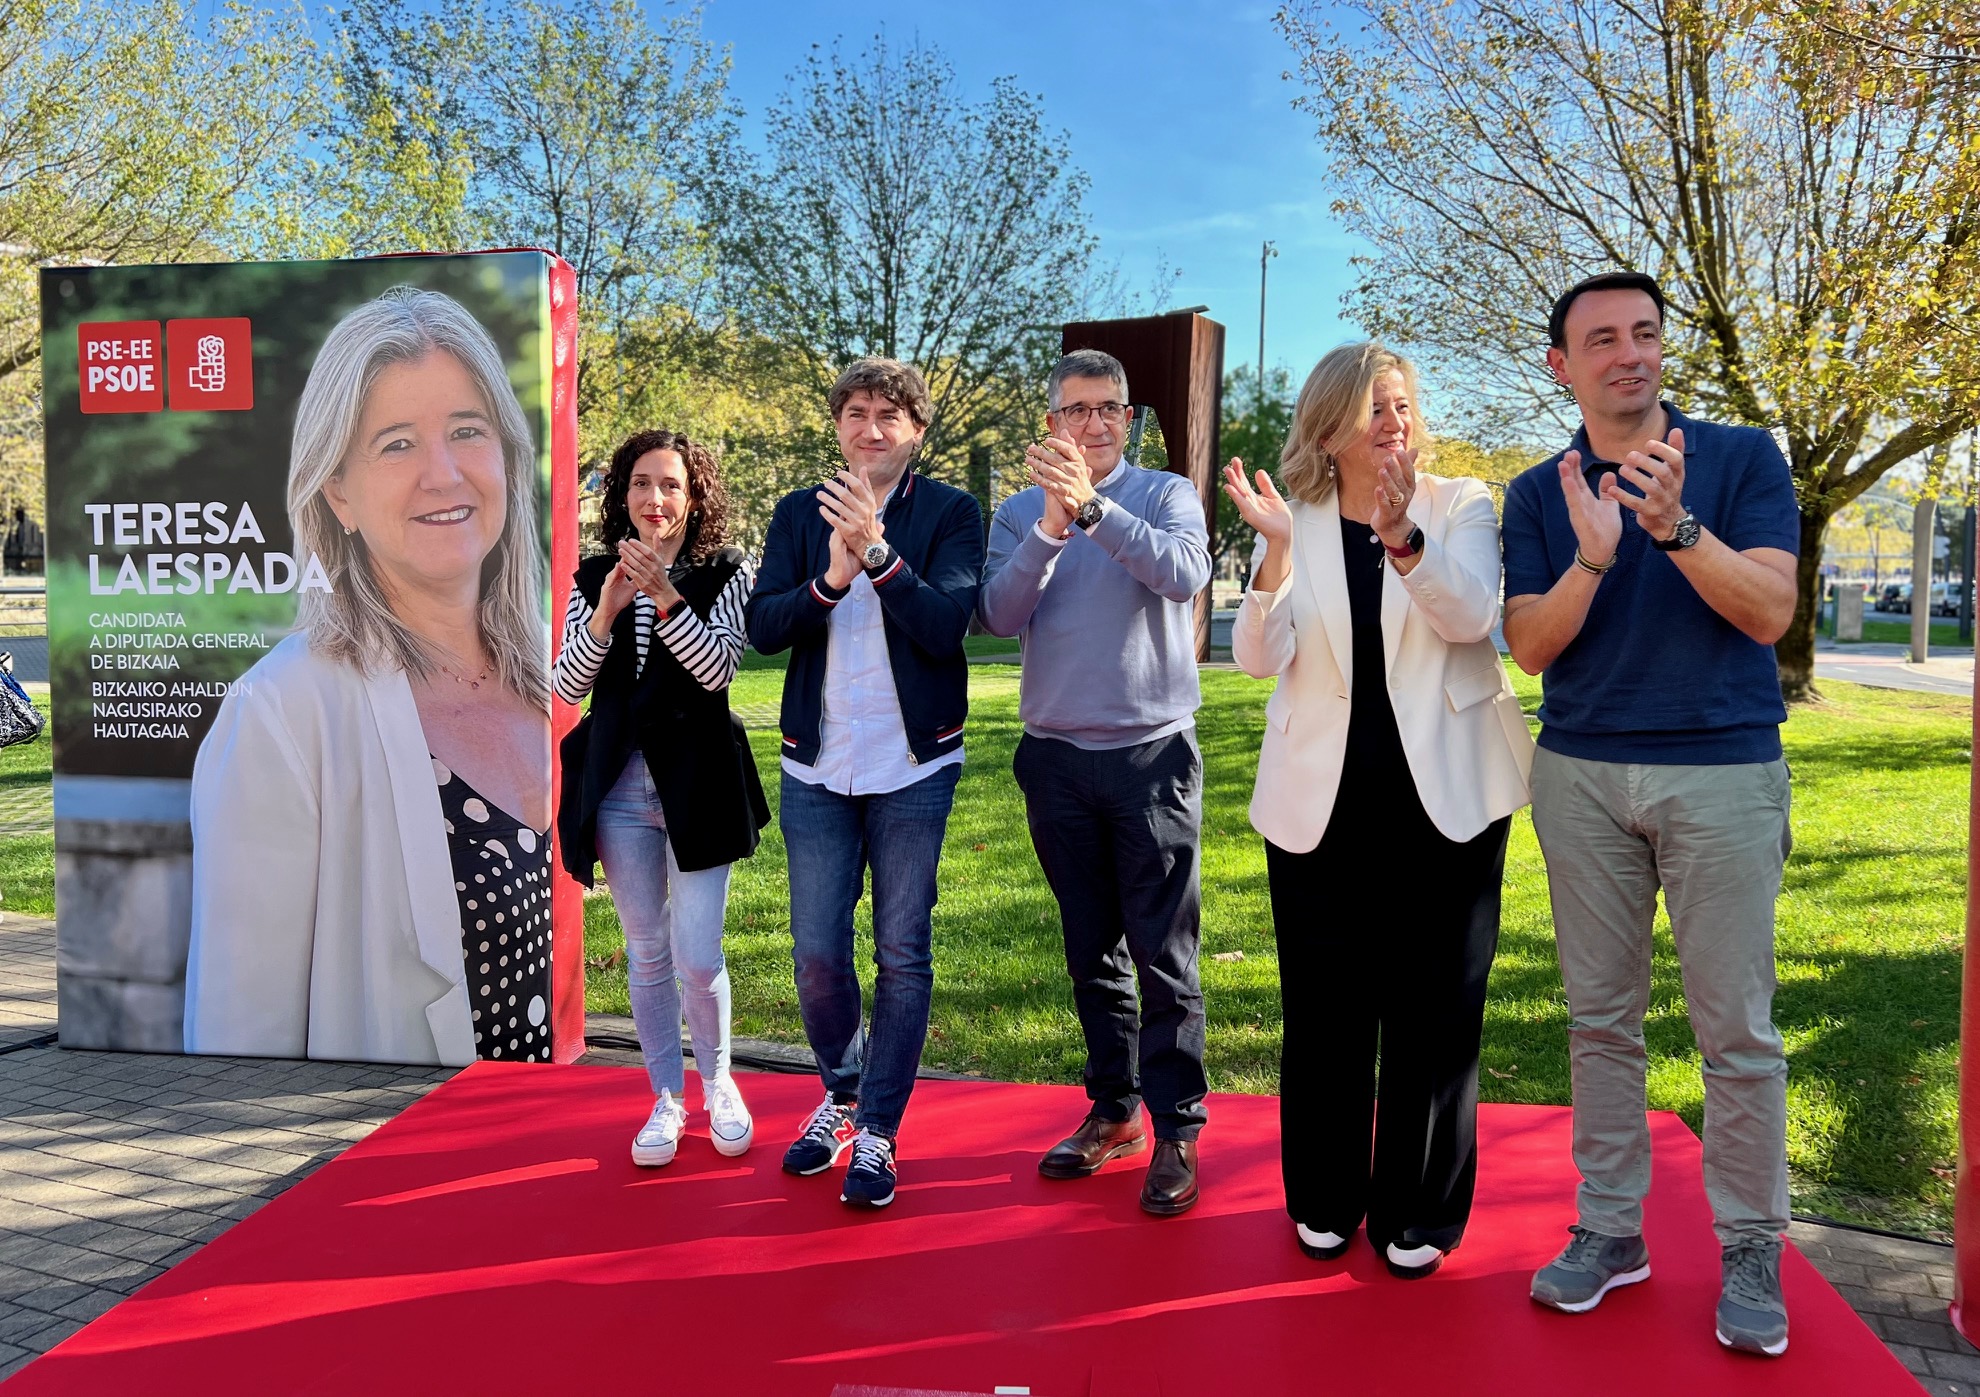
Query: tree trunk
(1794, 653)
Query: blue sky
(1177, 114)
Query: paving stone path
(114, 1166)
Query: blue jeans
(673, 925)
(831, 841)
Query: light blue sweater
(1106, 620)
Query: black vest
(697, 751)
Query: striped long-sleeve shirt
(709, 650)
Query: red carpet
(497, 1239)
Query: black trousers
(1117, 833)
(1408, 970)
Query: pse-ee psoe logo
(198, 365)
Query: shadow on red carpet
(497, 1238)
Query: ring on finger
(1395, 499)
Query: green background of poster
(231, 457)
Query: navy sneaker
(870, 1176)
(824, 1138)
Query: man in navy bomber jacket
(869, 580)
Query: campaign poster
(302, 521)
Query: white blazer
(1462, 731)
(324, 920)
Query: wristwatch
(1684, 534)
(874, 556)
(1411, 545)
(1089, 513)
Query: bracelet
(1587, 566)
(1411, 545)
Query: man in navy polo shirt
(1650, 568)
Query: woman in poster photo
(659, 783)
(370, 811)
(1394, 756)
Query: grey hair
(1085, 363)
(354, 621)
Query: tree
(1816, 242)
(1254, 431)
(133, 134)
(128, 133)
(1839, 43)
(564, 124)
(891, 215)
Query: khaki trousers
(1714, 839)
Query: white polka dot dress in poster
(302, 520)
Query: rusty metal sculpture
(1175, 365)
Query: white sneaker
(1413, 1263)
(730, 1128)
(660, 1137)
(1321, 1246)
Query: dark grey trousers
(1117, 833)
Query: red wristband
(1411, 545)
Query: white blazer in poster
(298, 550)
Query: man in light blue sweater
(1095, 568)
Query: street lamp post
(1265, 253)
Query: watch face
(876, 554)
(1683, 535)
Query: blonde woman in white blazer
(371, 808)
(1394, 755)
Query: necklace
(474, 683)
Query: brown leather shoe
(1092, 1145)
(1171, 1186)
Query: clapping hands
(1058, 467)
(1262, 508)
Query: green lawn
(1896, 630)
(27, 861)
(1871, 924)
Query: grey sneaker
(1752, 1315)
(1588, 1268)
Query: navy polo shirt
(1657, 676)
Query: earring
(348, 531)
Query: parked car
(1941, 600)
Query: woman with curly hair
(659, 784)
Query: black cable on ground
(46, 1040)
(741, 1059)
(1871, 1231)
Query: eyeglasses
(1074, 415)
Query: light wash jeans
(673, 925)
(1714, 839)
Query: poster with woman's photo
(299, 545)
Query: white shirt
(863, 742)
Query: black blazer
(927, 593)
(697, 751)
